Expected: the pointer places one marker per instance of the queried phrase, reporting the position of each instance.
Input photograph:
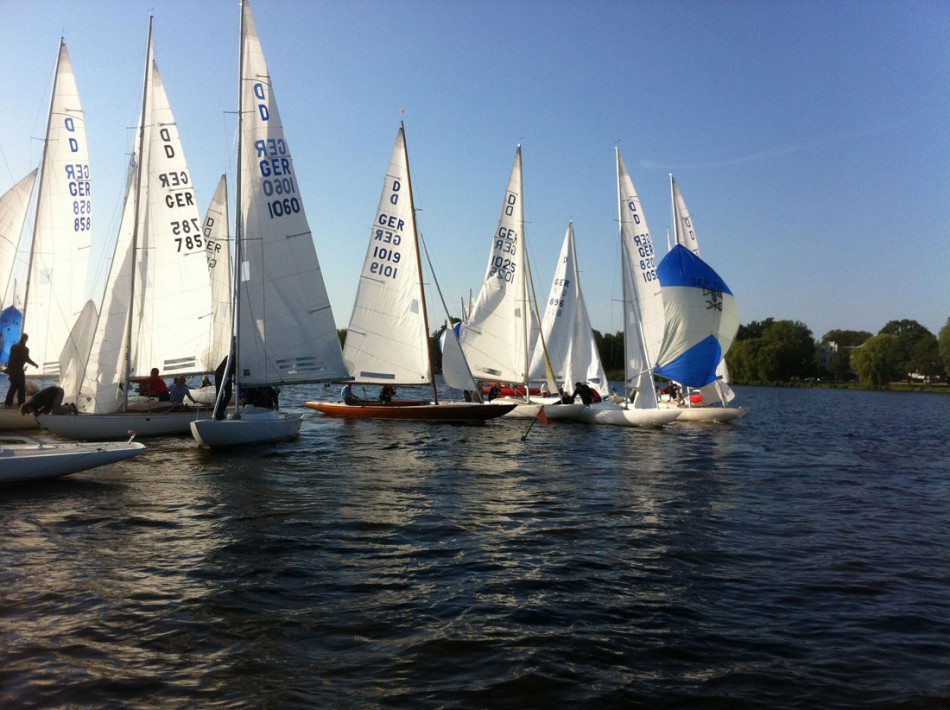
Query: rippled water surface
(798, 558)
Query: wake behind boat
(27, 459)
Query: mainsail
(156, 302)
(56, 287)
(495, 337)
(567, 338)
(285, 328)
(643, 301)
(387, 340)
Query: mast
(422, 290)
(623, 281)
(676, 237)
(146, 88)
(238, 230)
(525, 303)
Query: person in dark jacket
(585, 392)
(16, 365)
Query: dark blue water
(798, 558)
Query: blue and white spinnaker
(702, 318)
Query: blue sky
(811, 139)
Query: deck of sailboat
(414, 409)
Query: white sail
(455, 370)
(73, 360)
(496, 334)
(286, 331)
(387, 340)
(56, 289)
(156, 303)
(103, 385)
(682, 222)
(685, 234)
(14, 204)
(643, 301)
(172, 332)
(567, 335)
(218, 251)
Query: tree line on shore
(777, 351)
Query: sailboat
(13, 208)
(157, 298)
(496, 336)
(387, 341)
(284, 331)
(25, 459)
(55, 283)
(643, 317)
(718, 387)
(566, 346)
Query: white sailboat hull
(552, 408)
(707, 414)
(259, 427)
(101, 427)
(25, 459)
(11, 419)
(619, 416)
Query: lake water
(797, 558)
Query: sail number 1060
(279, 208)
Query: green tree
(792, 349)
(774, 351)
(915, 349)
(846, 338)
(741, 360)
(755, 329)
(943, 346)
(610, 349)
(875, 360)
(840, 366)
